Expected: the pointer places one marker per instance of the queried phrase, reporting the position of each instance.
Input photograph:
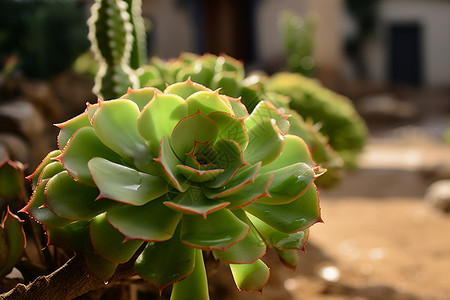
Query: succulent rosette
(158, 177)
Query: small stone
(438, 195)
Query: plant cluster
(160, 176)
(298, 42)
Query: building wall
(434, 17)
(328, 34)
(172, 29)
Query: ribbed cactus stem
(110, 33)
(139, 50)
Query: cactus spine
(139, 50)
(110, 32)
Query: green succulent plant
(158, 177)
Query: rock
(14, 147)
(438, 195)
(21, 117)
(386, 106)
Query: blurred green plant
(163, 176)
(334, 113)
(46, 36)
(298, 42)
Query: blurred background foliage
(45, 36)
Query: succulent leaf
(166, 262)
(109, 243)
(194, 202)
(134, 221)
(250, 277)
(71, 236)
(218, 231)
(124, 184)
(159, 117)
(195, 286)
(79, 204)
(291, 217)
(15, 241)
(83, 146)
(247, 251)
(265, 142)
(289, 258)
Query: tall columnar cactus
(138, 55)
(165, 175)
(111, 36)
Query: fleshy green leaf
(266, 110)
(34, 177)
(265, 142)
(11, 179)
(295, 150)
(207, 102)
(292, 217)
(124, 184)
(218, 231)
(68, 128)
(194, 202)
(98, 266)
(195, 286)
(150, 222)
(160, 117)
(83, 146)
(141, 97)
(230, 127)
(251, 193)
(72, 236)
(70, 200)
(185, 89)
(198, 175)
(169, 162)
(229, 158)
(247, 251)
(51, 170)
(239, 109)
(281, 240)
(245, 176)
(110, 243)
(250, 277)
(16, 240)
(37, 209)
(115, 123)
(289, 258)
(289, 183)
(163, 263)
(196, 128)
